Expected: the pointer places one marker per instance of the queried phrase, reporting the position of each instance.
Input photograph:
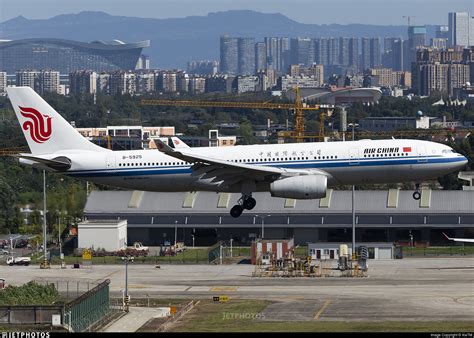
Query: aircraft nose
(463, 161)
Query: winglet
(176, 143)
(446, 236)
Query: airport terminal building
(66, 56)
(381, 216)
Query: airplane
(466, 240)
(290, 170)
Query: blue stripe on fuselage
(314, 164)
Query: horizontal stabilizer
(60, 163)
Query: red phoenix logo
(39, 125)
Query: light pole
(175, 233)
(263, 223)
(193, 240)
(45, 263)
(353, 125)
(126, 302)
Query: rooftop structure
(66, 55)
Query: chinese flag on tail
(406, 149)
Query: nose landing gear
(417, 193)
(245, 202)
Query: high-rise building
(344, 50)
(459, 29)
(393, 53)
(386, 77)
(441, 70)
(370, 56)
(83, 82)
(354, 52)
(103, 83)
(302, 51)
(260, 56)
(375, 52)
(429, 78)
(197, 85)
(229, 55)
(442, 32)
(317, 73)
(333, 52)
(41, 81)
(182, 82)
(416, 40)
(122, 82)
(146, 82)
(3, 82)
(205, 67)
(143, 62)
(246, 56)
(278, 53)
(439, 43)
(219, 83)
(321, 52)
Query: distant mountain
(176, 41)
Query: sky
(381, 12)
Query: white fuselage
(350, 162)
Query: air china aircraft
(292, 170)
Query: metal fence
(29, 315)
(83, 312)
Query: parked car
(4, 252)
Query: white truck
(139, 247)
(18, 260)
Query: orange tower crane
(298, 134)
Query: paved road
(408, 289)
(136, 318)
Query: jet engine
(300, 187)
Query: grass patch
(457, 250)
(239, 316)
(188, 256)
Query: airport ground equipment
(18, 260)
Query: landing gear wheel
(236, 211)
(416, 195)
(249, 203)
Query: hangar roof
(391, 201)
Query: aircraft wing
(227, 173)
(466, 240)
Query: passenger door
(110, 162)
(421, 153)
(354, 156)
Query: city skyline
(337, 11)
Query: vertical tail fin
(45, 130)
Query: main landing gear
(245, 202)
(417, 193)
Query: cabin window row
(149, 164)
(386, 155)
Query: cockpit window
(447, 151)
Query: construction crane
(12, 151)
(409, 17)
(298, 134)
